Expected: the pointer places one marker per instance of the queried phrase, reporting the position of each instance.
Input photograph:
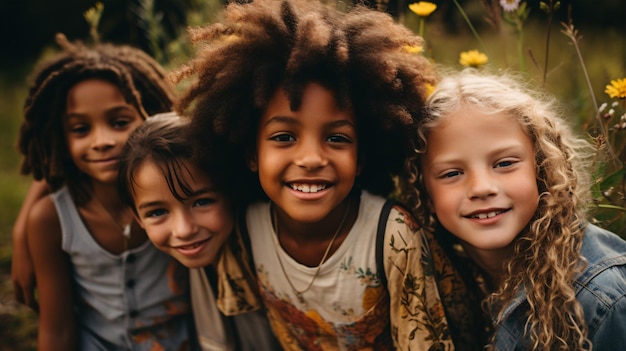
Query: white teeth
(305, 188)
(487, 215)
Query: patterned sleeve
(418, 320)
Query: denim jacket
(600, 289)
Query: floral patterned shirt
(348, 307)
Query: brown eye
(283, 138)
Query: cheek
(157, 234)
(220, 221)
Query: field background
(158, 27)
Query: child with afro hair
(318, 107)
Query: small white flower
(510, 5)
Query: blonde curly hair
(547, 253)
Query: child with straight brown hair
(187, 210)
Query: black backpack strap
(380, 240)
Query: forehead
(152, 174)
(93, 89)
(318, 105)
(95, 95)
(470, 128)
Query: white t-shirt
(347, 303)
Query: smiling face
(192, 231)
(479, 171)
(307, 159)
(96, 124)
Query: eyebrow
(294, 121)
(281, 119)
(504, 149)
(108, 111)
(200, 191)
(149, 204)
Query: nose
(481, 186)
(103, 138)
(310, 155)
(184, 225)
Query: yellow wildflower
(429, 89)
(473, 58)
(93, 14)
(617, 88)
(422, 8)
(413, 49)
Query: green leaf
(611, 207)
(612, 180)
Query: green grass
(17, 323)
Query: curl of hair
(547, 253)
(141, 80)
(265, 45)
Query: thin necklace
(123, 228)
(297, 292)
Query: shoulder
(397, 217)
(600, 245)
(399, 213)
(43, 214)
(601, 288)
(43, 229)
(604, 254)
(391, 211)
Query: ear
(251, 160)
(138, 220)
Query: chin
(193, 263)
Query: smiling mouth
(105, 160)
(486, 215)
(191, 246)
(308, 188)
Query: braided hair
(139, 77)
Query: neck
(310, 244)
(343, 215)
(490, 261)
(106, 192)
(107, 196)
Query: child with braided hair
(101, 284)
(318, 106)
